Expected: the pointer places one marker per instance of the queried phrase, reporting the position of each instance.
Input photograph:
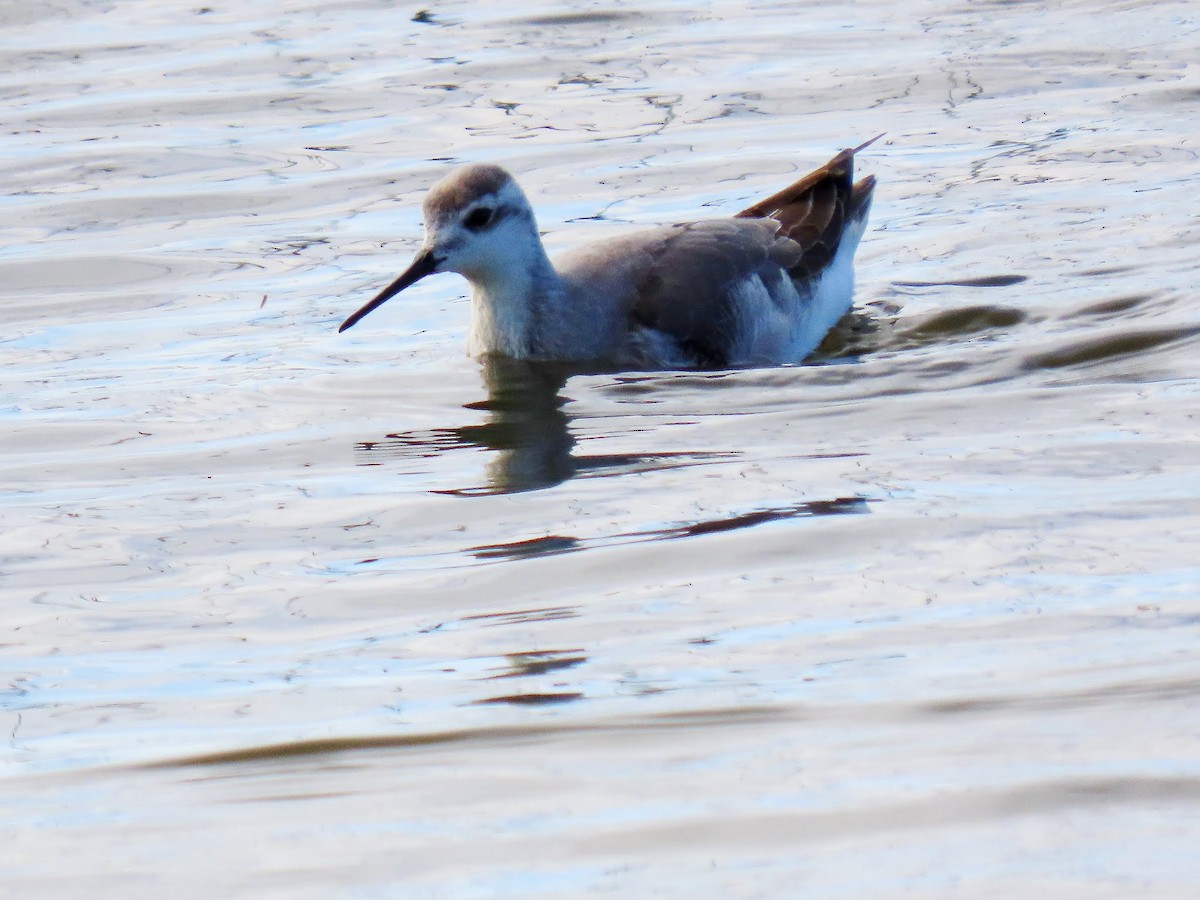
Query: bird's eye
(479, 218)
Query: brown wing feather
(814, 211)
(676, 279)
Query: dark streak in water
(552, 545)
(1111, 307)
(532, 699)
(684, 719)
(985, 281)
(1109, 346)
(582, 18)
(963, 321)
(1107, 270)
(1109, 695)
(540, 662)
(525, 616)
(840, 506)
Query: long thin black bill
(425, 264)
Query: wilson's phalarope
(760, 288)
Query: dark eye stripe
(479, 218)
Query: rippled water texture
(293, 613)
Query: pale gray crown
(464, 187)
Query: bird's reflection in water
(527, 431)
(527, 427)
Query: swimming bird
(760, 288)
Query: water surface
(294, 613)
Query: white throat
(508, 302)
